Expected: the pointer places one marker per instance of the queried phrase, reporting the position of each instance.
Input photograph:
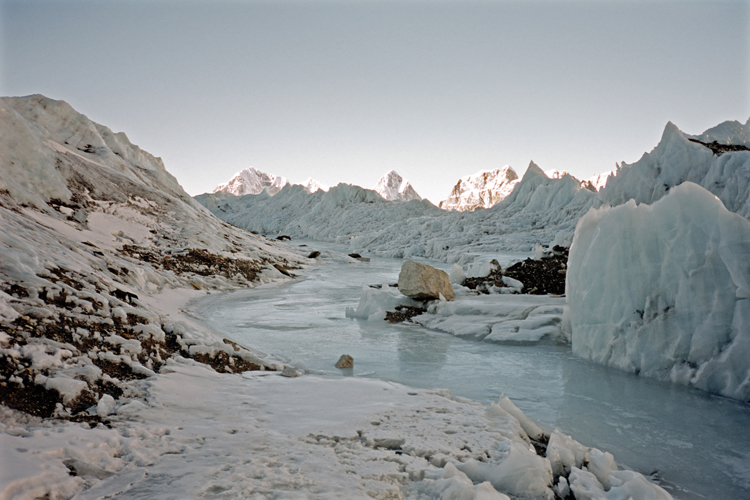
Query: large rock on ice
(664, 290)
(423, 282)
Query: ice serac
(481, 190)
(423, 282)
(393, 187)
(252, 181)
(677, 159)
(663, 290)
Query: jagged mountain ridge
(252, 181)
(481, 190)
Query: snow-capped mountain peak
(393, 187)
(312, 186)
(598, 181)
(252, 181)
(481, 190)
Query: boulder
(423, 282)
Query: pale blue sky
(344, 91)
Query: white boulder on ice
(252, 181)
(393, 187)
(481, 190)
(664, 290)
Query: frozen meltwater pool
(696, 444)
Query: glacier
(102, 250)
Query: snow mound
(664, 290)
(100, 246)
(393, 187)
(252, 181)
(677, 159)
(481, 190)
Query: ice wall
(663, 290)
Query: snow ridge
(481, 190)
(393, 187)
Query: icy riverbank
(650, 426)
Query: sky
(343, 91)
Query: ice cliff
(664, 290)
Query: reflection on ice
(685, 437)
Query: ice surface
(664, 290)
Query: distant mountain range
(391, 186)
(480, 190)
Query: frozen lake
(694, 443)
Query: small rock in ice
(345, 361)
